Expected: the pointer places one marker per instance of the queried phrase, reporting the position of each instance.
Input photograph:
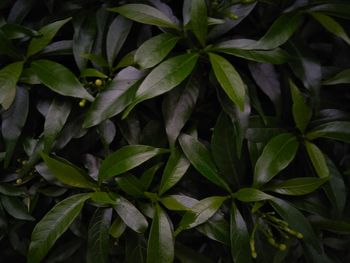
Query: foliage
(174, 131)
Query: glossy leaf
(199, 19)
(229, 79)
(337, 130)
(200, 212)
(144, 14)
(332, 26)
(117, 33)
(53, 225)
(175, 169)
(239, 235)
(98, 236)
(9, 77)
(201, 159)
(342, 77)
(187, 255)
(47, 33)
(301, 110)
(216, 229)
(68, 173)
(178, 106)
(117, 228)
(318, 160)
(297, 186)
(131, 216)
(115, 97)
(276, 156)
(55, 119)
(164, 77)
(154, 50)
(126, 159)
(10, 190)
(59, 79)
(16, 208)
(160, 247)
(131, 185)
(251, 195)
(178, 202)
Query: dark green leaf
(338, 130)
(164, 77)
(16, 208)
(296, 220)
(130, 185)
(175, 169)
(342, 77)
(131, 216)
(15, 31)
(117, 228)
(216, 229)
(301, 111)
(115, 97)
(199, 23)
(229, 79)
(297, 186)
(9, 76)
(13, 121)
(201, 159)
(98, 236)
(126, 159)
(332, 26)
(334, 226)
(148, 175)
(55, 119)
(10, 190)
(318, 159)
(47, 33)
(104, 198)
(178, 202)
(188, 255)
(117, 33)
(60, 79)
(144, 14)
(53, 225)
(160, 247)
(91, 72)
(239, 235)
(178, 106)
(251, 195)
(276, 156)
(154, 50)
(200, 212)
(68, 173)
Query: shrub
(174, 131)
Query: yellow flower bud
(98, 82)
(19, 181)
(82, 103)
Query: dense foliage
(174, 131)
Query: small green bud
(98, 82)
(282, 247)
(82, 103)
(254, 255)
(19, 181)
(272, 241)
(300, 235)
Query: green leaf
(334, 226)
(178, 106)
(16, 208)
(239, 235)
(276, 156)
(9, 76)
(297, 186)
(13, 121)
(10, 190)
(251, 195)
(338, 130)
(144, 14)
(117, 228)
(94, 73)
(199, 20)
(200, 212)
(175, 169)
(15, 31)
(55, 119)
(59, 79)
(47, 33)
(7, 48)
(117, 33)
(115, 97)
(216, 229)
(67, 173)
(188, 255)
(130, 185)
(301, 111)
(342, 77)
(160, 246)
(53, 225)
(296, 220)
(318, 159)
(201, 159)
(131, 216)
(164, 77)
(178, 202)
(98, 236)
(229, 79)
(148, 175)
(127, 158)
(154, 50)
(332, 26)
